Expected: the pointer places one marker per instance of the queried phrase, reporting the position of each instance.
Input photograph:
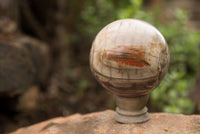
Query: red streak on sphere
(124, 55)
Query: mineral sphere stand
(129, 58)
(132, 110)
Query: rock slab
(104, 123)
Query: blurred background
(44, 56)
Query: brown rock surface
(103, 123)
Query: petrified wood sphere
(129, 57)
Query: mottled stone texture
(129, 57)
(103, 123)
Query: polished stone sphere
(129, 57)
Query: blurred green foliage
(172, 94)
